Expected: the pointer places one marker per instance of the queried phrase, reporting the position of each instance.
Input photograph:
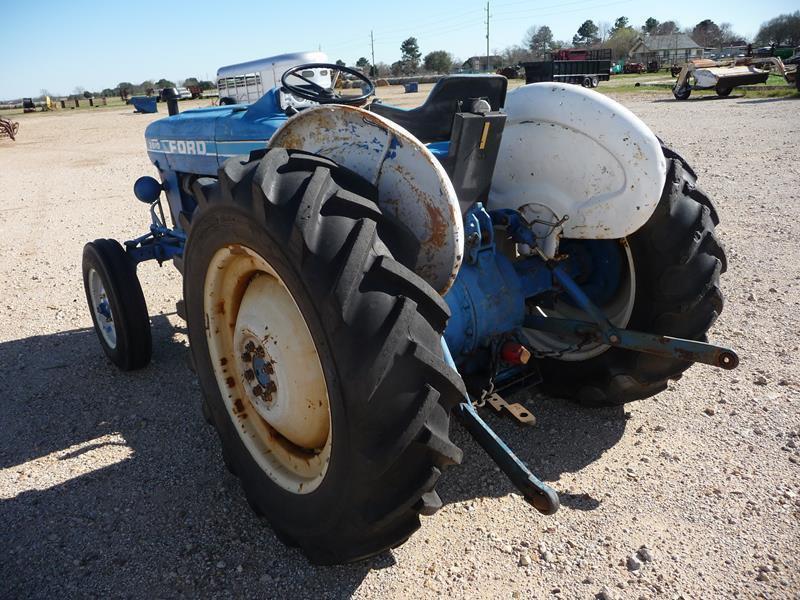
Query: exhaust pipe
(170, 96)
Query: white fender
(581, 155)
(412, 185)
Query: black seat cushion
(433, 121)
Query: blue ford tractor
(355, 273)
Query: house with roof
(675, 48)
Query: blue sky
(60, 44)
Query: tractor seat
(433, 121)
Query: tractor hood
(198, 141)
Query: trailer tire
(678, 260)
(724, 92)
(109, 279)
(682, 93)
(375, 329)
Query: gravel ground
(111, 484)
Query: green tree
(206, 85)
(667, 28)
(410, 54)
(362, 63)
(397, 68)
(621, 41)
(438, 61)
(539, 40)
(707, 34)
(587, 34)
(193, 81)
(341, 63)
(164, 83)
(650, 25)
(783, 30)
(620, 23)
(124, 86)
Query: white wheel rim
(618, 311)
(267, 369)
(101, 308)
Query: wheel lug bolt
(249, 375)
(258, 390)
(271, 387)
(250, 346)
(260, 352)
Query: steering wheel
(322, 95)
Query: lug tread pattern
(400, 439)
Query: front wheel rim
(267, 369)
(101, 307)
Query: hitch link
(536, 493)
(603, 331)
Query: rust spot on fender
(238, 407)
(223, 361)
(230, 382)
(221, 307)
(438, 226)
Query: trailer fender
(412, 185)
(582, 156)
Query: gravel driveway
(112, 485)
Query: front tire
(117, 304)
(677, 260)
(343, 452)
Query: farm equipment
(8, 128)
(355, 273)
(723, 76)
(579, 66)
(144, 104)
(633, 67)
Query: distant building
(666, 49)
(478, 63)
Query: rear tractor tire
(318, 353)
(676, 260)
(117, 304)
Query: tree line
(783, 30)
(132, 89)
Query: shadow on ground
(164, 518)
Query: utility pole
(488, 66)
(372, 44)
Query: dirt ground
(112, 484)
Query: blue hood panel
(198, 141)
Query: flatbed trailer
(587, 73)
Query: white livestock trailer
(246, 82)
